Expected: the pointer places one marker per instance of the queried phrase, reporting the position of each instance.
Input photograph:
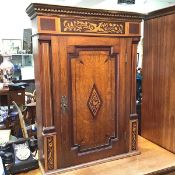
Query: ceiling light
(126, 1)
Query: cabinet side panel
(37, 68)
(158, 110)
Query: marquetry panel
(85, 26)
(94, 102)
(73, 25)
(50, 153)
(133, 135)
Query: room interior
(87, 87)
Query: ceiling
(13, 25)
(142, 6)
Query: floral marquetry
(86, 26)
(134, 135)
(94, 102)
(50, 152)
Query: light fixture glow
(126, 1)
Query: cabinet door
(92, 123)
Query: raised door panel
(93, 98)
(92, 126)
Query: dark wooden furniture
(158, 104)
(31, 113)
(7, 96)
(12, 123)
(30, 84)
(85, 70)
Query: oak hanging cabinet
(85, 73)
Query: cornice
(162, 12)
(36, 9)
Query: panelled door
(94, 121)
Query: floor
(152, 158)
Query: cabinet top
(162, 12)
(36, 9)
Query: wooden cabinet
(85, 70)
(158, 112)
(7, 96)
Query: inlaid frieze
(91, 26)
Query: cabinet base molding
(84, 165)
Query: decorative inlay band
(50, 153)
(93, 26)
(134, 135)
(94, 102)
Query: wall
(14, 19)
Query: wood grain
(89, 62)
(152, 159)
(102, 128)
(46, 61)
(69, 68)
(158, 107)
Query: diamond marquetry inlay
(94, 102)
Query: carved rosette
(91, 26)
(50, 153)
(133, 135)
